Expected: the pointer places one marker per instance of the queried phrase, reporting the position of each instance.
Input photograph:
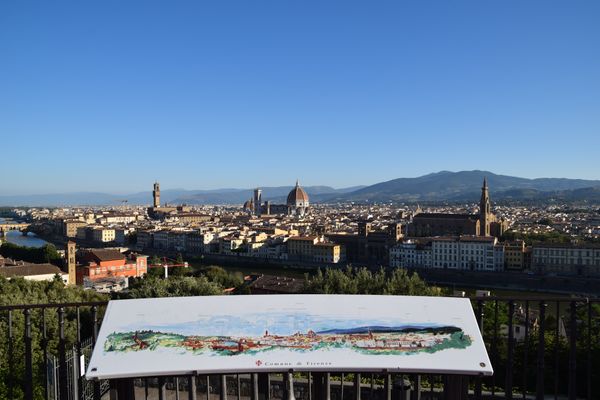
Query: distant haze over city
(439, 186)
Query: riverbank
(513, 282)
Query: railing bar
(556, 355)
(573, 351)
(239, 387)
(388, 386)
(78, 348)
(589, 350)
(342, 386)
(510, 355)
(104, 303)
(223, 391)
(581, 299)
(146, 388)
(494, 347)
(96, 384)
(372, 389)
(162, 388)
(176, 388)
(526, 351)
(78, 329)
(327, 385)
(540, 356)
(418, 385)
(191, 387)
(402, 394)
(357, 387)
(62, 354)
(11, 360)
(53, 305)
(45, 352)
(207, 387)
(28, 356)
(254, 384)
(431, 379)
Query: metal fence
(539, 348)
(77, 386)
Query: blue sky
(276, 324)
(109, 96)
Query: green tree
(222, 277)
(173, 287)
(20, 291)
(362, 281)
(155, 260)
(44, 254)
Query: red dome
(297, 195)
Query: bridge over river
(14, 226)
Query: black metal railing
(539, 347)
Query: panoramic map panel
(302, 332)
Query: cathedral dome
(297, 196)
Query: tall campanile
(156, 195)
(71, 263)
(485, 210)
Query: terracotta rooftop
(106, 254)
(29, 270)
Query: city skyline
(108, 97)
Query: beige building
(327, 252)
(514, 255)
(566, 259)
(70, 227)
(103, 235)
(191, 218)
(312, 249)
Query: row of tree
(38, 255)
(20, 291)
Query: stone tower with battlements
(156, 195)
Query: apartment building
(566, 259)
(475, 253)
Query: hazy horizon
(165, 188)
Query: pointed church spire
(485, 182)
(297, 182)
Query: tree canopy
(38, 255)
(363, 281)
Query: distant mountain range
(362, 330)
(439, 186)
(466, 186)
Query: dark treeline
(21, 291)
(38, 255)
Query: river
(16, 237)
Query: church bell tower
(485, 210)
